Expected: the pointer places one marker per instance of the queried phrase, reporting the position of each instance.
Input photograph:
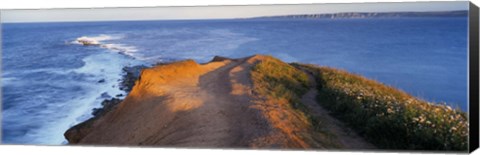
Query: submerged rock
(108, 105)
(87, 41)
(101, 81)
(105, 95)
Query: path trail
(205, 106)
(343, 134)
(186, 104)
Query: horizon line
(233, 18)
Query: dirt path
(221, 120)
(186, 104)
(342, 134)
(204, 106)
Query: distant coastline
(341, 15)
(356, 15)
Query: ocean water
(50, 82)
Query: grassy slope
(388, 117)
(279, 80)
(285, 85)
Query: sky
(216, 12)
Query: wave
(61, 103)
(103, 67)
(161, 45)
(63, 97)
(95, 39)
(121, 48)
(102, 41)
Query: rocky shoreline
(131, 74)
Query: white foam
(121, 48)
(104, 66)
(57, 118)
(95, 40)
(101, 41)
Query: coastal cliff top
(262, 102)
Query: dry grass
(388, 117)
(279, 80)
(284, 85)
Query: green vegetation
(388, 117)
(284, 85)
(275, 78)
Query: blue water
(50, 82)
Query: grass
(285, 85)
(275, 78)
(388, 117)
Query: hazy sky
(215, 12)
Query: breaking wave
(103, 42)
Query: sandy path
(186, 104)
(208, 109)
(221, 121)
(343, 134)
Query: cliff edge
(217, 104)
(262, 102)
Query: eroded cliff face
(186, 104)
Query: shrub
(388, 117)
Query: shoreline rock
(75, 133)
(107, 105)
(131, 75)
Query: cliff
(253, 102)
(346, 15)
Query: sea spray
(51, 113)
(102, 41)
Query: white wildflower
(389, 111)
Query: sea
(51, 82)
